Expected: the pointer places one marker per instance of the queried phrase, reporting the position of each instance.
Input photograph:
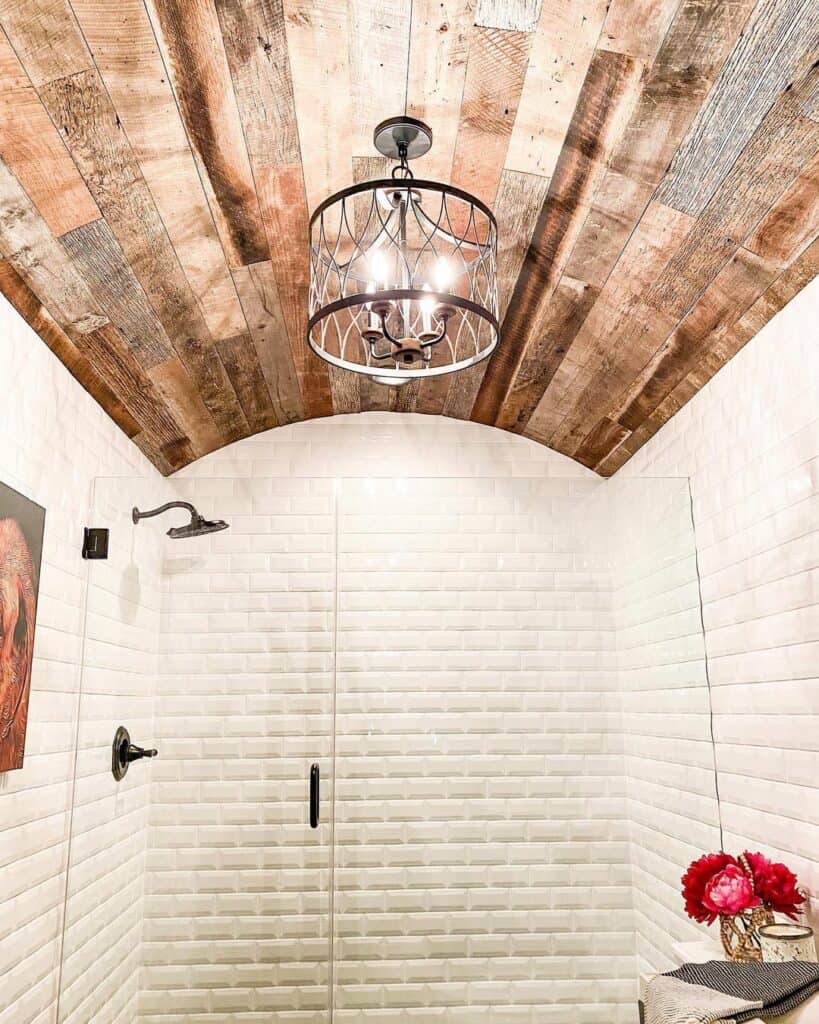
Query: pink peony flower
(695, 880)
(730, 891)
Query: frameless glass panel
(481, 844)
(236, 695)
(107, 848)
(522, 724)
(672, 807)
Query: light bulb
(442, 274)
(373, 319)
(427, 309)
(378, 264)
(389, 380)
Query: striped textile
(777, 988)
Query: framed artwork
(22, 523)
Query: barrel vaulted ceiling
(653, 165)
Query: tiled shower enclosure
(503, 684)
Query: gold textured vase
(740, 934)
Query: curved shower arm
(136, 515)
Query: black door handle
(315, 795)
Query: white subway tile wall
(750, 443)
(669, 756)
(54, 439)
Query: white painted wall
(750, 443)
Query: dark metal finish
(315, 795)
(123, 753)
(197, 527)
(416, 185)
(403, 137)
(95, 542)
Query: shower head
(197, 527)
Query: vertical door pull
(315, 795)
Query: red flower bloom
(695, 880)
(775, 884)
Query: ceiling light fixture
(403, 272)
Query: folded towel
(778, 988)
(671, 1001)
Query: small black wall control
(95, 542)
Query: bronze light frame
(404, 328)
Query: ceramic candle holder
(781, 942)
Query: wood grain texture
(256, 45)
(191, 41)
(259, 296)
(604, 106)
(32, 149)
(653, 166)
(778, 45)
(687, 62)
(559, 58)
(126, 54)
(514, 15)
(83, 370)
(495, 70)
(439, 43)
(89, 124)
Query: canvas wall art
(22, 523)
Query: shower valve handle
(135, 753)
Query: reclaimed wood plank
(776, 47)
(617, 336)
(782, 146)
(32, 148)
(318, 34)
(116, 364)
(259, 296)
(519, 201)
(495, 69)
(239, 359)
(379, 52)
(688, 61)
(792, 220)
(96, 254)
(32, 250)
(637, 27)
(439, 42)
(32, 310)
(193, 50)
(126, 53)
(738, 285)
(514, 15)
(559, 59)
(45, 38)
(800, 273)
(256, 47)
(89, 124)
(605, 105)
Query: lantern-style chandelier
(403, 275)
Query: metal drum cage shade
(403, 279)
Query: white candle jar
(782, 942)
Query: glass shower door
(197, 887)
(479, 814)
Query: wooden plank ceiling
(653, 164)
